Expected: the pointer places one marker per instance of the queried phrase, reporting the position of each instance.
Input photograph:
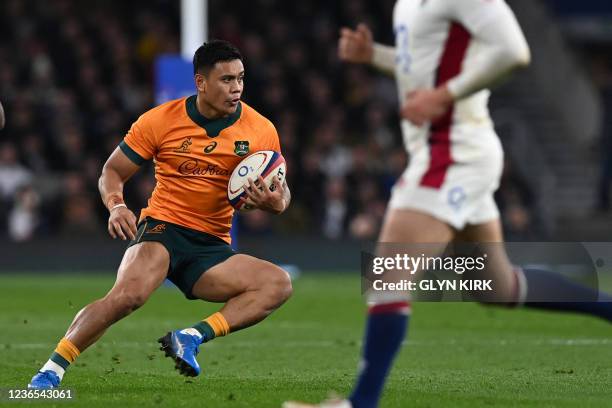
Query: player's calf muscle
(141, 272)
(275, 291)
(266, 288)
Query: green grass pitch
(457, 355)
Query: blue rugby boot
(182, 347)
(44, 380)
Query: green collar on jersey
(212, 126)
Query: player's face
(222, 87)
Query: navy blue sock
(385, 331)
(551, 291)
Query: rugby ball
(265, 163)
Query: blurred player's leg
(388, 316)
(566, 295)
(530, 286)
(499, 268)
(142, 270)
(252, 289)
(388, 312)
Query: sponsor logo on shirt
(210, 147)
(194, 167)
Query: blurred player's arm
(502, 48)
(383, 58)
(502, 45)
(2, 121)
(116, 171)
(358, 46)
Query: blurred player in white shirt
(447, 54)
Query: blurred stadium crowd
(74, 75)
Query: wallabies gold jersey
(194, 157)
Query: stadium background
(74, 75)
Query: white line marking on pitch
(330, 343)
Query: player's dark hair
(212, 52)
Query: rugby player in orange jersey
(183, 233)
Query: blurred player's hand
(356, 45)
(264, 198)
(122, 223)
(426, 105)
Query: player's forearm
(492, 69)
(503, 49)
(383, 58)
(110, 185)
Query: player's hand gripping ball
(265, 163)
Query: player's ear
(200, 82)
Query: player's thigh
(498, 266)
(413, 226)
(238, 274)
(412, 233)
(490, 235)
(490, 231)
(143, 268)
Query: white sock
(378, 298)
(192, 332)
(53, 366)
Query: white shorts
(461, 194)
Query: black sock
(385, 332)
(551, 291)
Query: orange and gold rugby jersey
(194, 158)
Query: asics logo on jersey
(194, 167)
(184, 147)
(210, 147)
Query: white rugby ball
(265, 163)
